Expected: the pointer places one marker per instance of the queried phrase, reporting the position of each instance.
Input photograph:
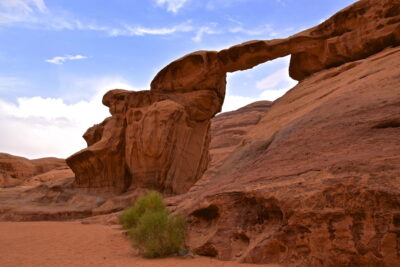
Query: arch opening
(267, 81)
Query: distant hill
(16, 170)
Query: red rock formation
(153, 140)
(356, 32)
(159, 138)
(227, 134)
(316, 181)
(17, 170)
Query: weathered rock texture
(227, 134)
(159, 138)
(316, 182)
(153, 140)
(16, 170)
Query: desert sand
(76, 244)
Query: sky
(58, 57)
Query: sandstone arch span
(159, 138)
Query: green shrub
(158, 234)
(154, 231)
(153, 201)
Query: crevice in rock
(241, 236)
(127, 179)
(394, 123)
(207, 250)
(209, 214)
(396, 220)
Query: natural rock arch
(159, 138)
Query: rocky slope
(316, 181)
(228, 129)
(227, 133)
(16, 170)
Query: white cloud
(276, 84)
(172, 5)
(140, 30)
(40, 127)
(273, 80)
(24, 6)
(61, 60)
(201, 31)
(273, 95)
(34, 14)
(272, 87)
(15, 11)
(233, 102)
(50, 21)
(123, 30)
(266, 29)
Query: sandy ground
(75, 244)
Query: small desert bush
(153, 201)
(154, 231)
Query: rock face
(160, 138)
(316, 182)
(227, 133)
(153, 140)
(18, 170)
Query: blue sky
(58, 57)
